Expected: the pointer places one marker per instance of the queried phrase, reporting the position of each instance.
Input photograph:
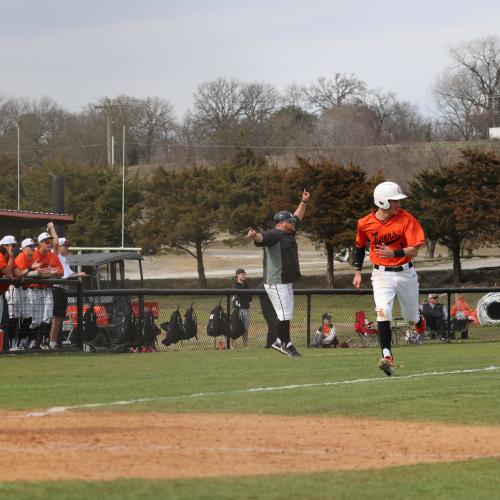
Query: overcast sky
(79, 52)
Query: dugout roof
(16, 221)
(100, 259)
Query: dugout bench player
(395, 237)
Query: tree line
(334, 117)
(186, 210)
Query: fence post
(79, 314)
(448, 326)
(228, 321)
(308, 320)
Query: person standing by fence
(40, 295)
(395, 237)
(243, 302)
(281, 268)
(7, 244)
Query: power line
(43, 150)
(264, 146)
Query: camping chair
(399, 329)
(460, 325)
(367, 333)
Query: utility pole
(18, 170)
(123, 188)
(106, 107)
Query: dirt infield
(106, 446)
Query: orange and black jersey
(399, 231)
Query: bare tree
(41, 124)
(396, 121)
(468, 93)
(258, 101)
(346, 126)
(295, 97)
(155, 125)
(218, 102)
(342, 89)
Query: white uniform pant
(281, 297)
(17, 302)
(404, 284)
(42, 306)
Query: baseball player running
(395, 237)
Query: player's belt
(394, 269)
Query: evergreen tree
(180, 213)
(460, 203)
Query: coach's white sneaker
(387, 366)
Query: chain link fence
(173, 320)
(129, 315)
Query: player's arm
(301, 209)
(9, 268)
(358, 259)
(51, 229)
(359, 256)
(58, 270)
(385, 252)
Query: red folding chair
(365, 329)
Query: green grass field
(222, 380)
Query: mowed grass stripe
(253, 390)
(478, 479)
(31, 382)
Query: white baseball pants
(404, 284)
(281, 297)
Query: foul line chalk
(252, 390)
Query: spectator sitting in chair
(435, 315)
(326, 334)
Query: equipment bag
(150, 330)
(190, 324)
(237, 324)
(217, 322)
(174, 328)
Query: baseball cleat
(278, 346)
(387, 366)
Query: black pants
(271, 319)
(438, 324)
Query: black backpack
(217, 322)
(150, 330)
(190, 324)
(236, 323)
(174, 328)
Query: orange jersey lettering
(399, 231)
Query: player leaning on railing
(395, 237)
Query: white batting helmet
(386, 191)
